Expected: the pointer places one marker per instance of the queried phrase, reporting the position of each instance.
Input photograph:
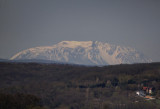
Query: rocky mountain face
(85, 53)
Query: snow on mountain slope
(84, 52)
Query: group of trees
(62, 86)
(19, 101)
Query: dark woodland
(63, 86)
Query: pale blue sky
(30, 23)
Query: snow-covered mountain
(84, 52)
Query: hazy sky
(30, 23)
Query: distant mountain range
(84, 53)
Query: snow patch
(84, 52)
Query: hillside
(63, 86)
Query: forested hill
(79, 87)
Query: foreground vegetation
(55, 86)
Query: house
(145, 88)
(146, 93)
(148, 90)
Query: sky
(30, 23)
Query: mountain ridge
(84, 53)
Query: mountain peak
(73, 44)
(84, 52)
